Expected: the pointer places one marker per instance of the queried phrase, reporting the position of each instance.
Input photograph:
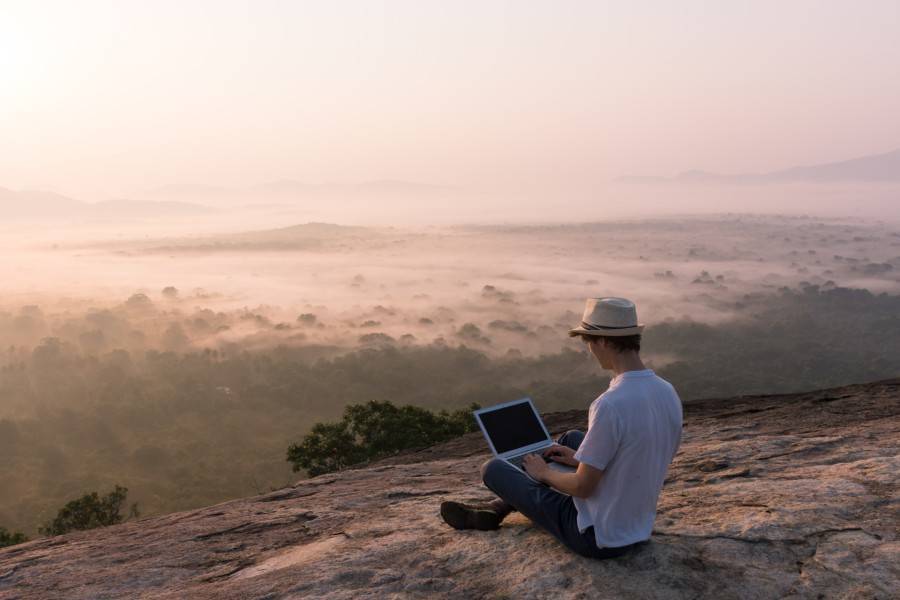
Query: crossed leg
(549, 509)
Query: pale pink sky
(101, 99)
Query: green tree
(372, 430)
(8, 538)
(90, 511)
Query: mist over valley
(182, 362)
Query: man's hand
(535, 466)
(561, 454)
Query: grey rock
(789, 496)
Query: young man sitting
(634, 429)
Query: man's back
(634, 430)
(609, 503)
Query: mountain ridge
(27, 204)
(884, 167)
(292, 190)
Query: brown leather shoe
(467, 516)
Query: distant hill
(49, 205)
(867, 169)
(877, 167)
(301, 232)
(25, 204)
(289, 190)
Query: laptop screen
(513, 427)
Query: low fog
(181, 356)
(497, 288)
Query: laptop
(513, 430)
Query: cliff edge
(786, 496)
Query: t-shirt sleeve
(602, 440)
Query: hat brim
(636, 330)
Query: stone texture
(789, 496)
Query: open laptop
(513, 430)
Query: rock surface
(789, 496)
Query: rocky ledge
(788, 496)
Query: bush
(8, 538)
(89, 512)
(373, 430)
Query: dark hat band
(599, 327)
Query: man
(634, 429)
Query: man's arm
(579, 484)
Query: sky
(109, 99)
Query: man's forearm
(567, 483)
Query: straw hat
(608, 316)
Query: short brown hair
(619, 343)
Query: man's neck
(629, 361)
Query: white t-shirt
(634, 429)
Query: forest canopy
(190, 428)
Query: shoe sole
(460, 517)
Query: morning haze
(225, 222)
(508, 99)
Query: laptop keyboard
(517, 460)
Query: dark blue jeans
(545, 506)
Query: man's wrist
(544, 477)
